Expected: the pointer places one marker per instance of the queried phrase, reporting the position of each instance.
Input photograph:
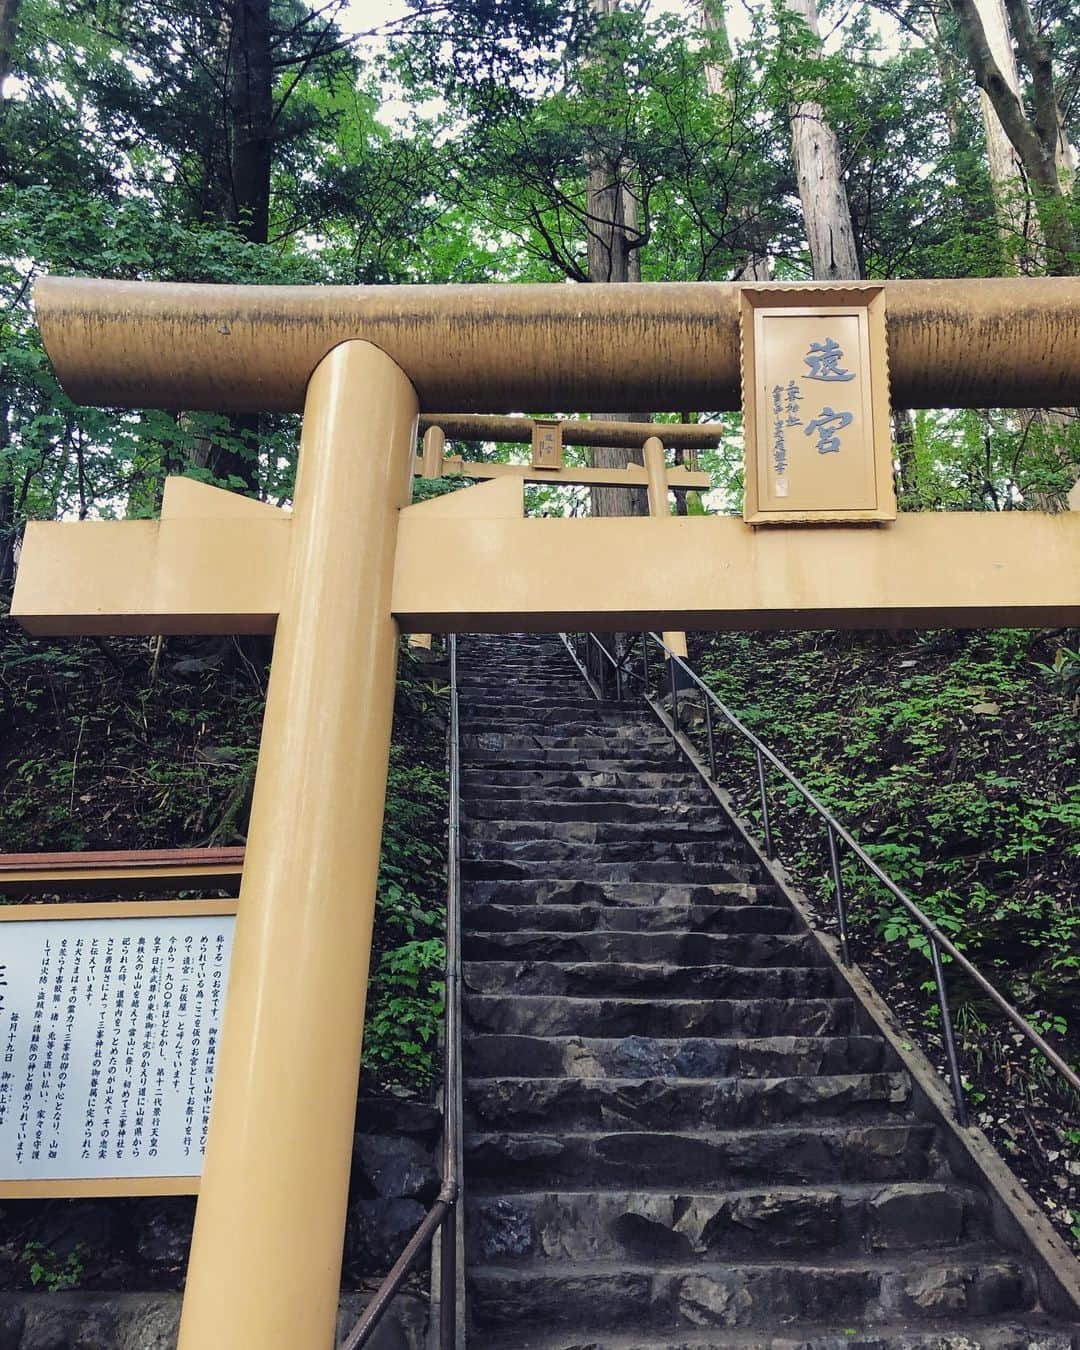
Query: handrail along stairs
(595, 668)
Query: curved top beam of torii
(1000, 342)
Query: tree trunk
(816, 153)
(1019, 228)
(7, 508)
(251, 112)
(1037, 139)
(755, 266)
(613, 256)
(907, 486)
(9, 22)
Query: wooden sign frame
(100, 1187)
(860, 488)
(547, 444)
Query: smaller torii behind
(353, 564)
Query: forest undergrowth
(952, 758)
(129, 743)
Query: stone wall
(85, 1321)
(115, 1252)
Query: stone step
(650, 949)
(573, 853)
(609, 758)
(618, 738)
(579, 784)
(567, 711)
(595, 806)
(560, 1015)
(884, 1151)
(1033, 1333)
(526, 681)
(504, 1103)
(606, 979)
(687, 920)
(853, 1218)
(620, 895)
(972, 1282)
(606, 871)
(509, 1054)
(641, 834)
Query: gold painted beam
(575, 431)
(217, 576)
(924, 571)
(990, 342)
(633, 475)
(184, 575)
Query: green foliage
(55, 1273)
(953, 759)
(409, 995)
(406, 994)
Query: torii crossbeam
(336, 579)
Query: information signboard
(816, 405)
(110, 1016)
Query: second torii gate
(353, 563)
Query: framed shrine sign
(815, 391)
(110, 1017)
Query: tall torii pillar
(266, 1255)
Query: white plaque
(109, 1030)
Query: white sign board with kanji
(109, 1029)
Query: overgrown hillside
(126, 743)
(953, 759)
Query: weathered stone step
(597, 869)
(584, 727)
(504, 1103)
(540, 1015)
(477, 712)
(673, 949)
(618, 738)
(595, 806)
(666, 1226)
(526, 680)
(884, 1151)
(1033, 1333)
(499, 1054)
(611, 757)
(581, 782)
(606, 1296)
(621, 895)
(688, 919)
(641, 834)
(592, 979)
(573, 853)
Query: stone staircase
(681, 1129)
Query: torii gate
(354, 563)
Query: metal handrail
(442, 1217)
(837, 833)
(618, 665)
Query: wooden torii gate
(336, 579)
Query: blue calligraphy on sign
(824, 359)
(828, 426)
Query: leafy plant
(52, 1271)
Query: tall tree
(819, 171)
(1012, 202)
(755, 267)
(614, 241)
(1038, 137)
